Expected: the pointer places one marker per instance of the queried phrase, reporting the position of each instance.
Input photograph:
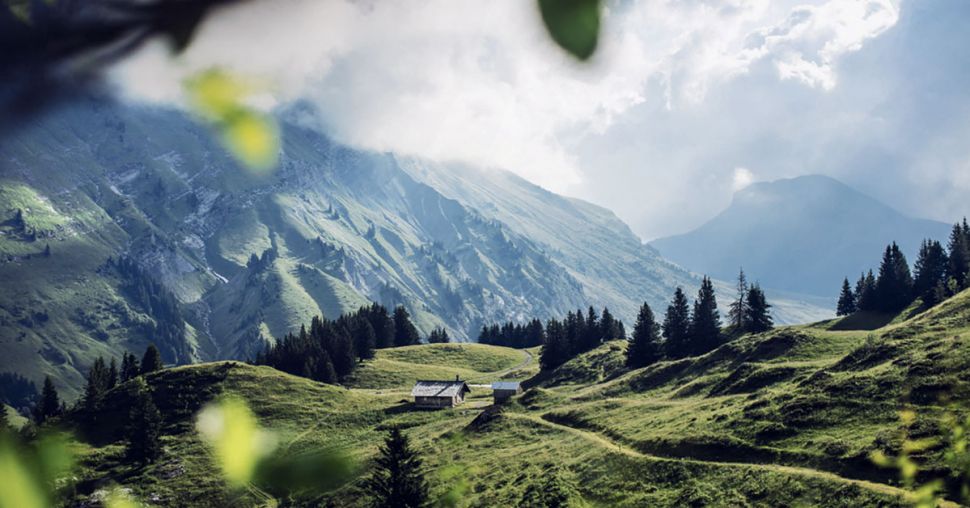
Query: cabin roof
(505, 385)
(439, 388)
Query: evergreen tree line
(577, 334)
(513, 334)
(168, 329)
(691, 331)
(938, 274)
(330, 350)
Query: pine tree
(383, 325)
(865, 293)
(439, 336)
(757, 317)
(152, 360)
(365, 340)
(676, 326)
(609, 327)
(405, 334)
(112, 374)
(738, 309)
(705, 322)
(931, 266)
(50, 403)
(96, 386)
(129, 367)
(644, 346)
(325, 372)
(958, 267)
(4, 419)
(846, 303)
(894, 287)
(556, 350)
(397, 481)
(144, 425)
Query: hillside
(802, 234)
(784, 418)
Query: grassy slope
(779, 419)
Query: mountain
(802, 235)
(156, 235)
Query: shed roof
(439, 388)
(505, 385)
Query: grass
(785, 418)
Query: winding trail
(527, 359)
(613, 446)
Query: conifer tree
(846, 303)
(152, 360)
(439, 336)
(50, 403)
(594, 333)
(129, 367)
(676, 326)
(397, 480)
(738, 309)
(96, 386)
(365, 340)
(144, 425)
(705, 322)
(383, 325)
(931, 267)
(556, 349)
(325, 372)
(757, 317)
(609, 328)
(894, 287)
(112, 374)
(405, 334)
(865, 292)
(4, 419)
(644, 348)
(959, 260)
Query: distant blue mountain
(801, 234)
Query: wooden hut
(435, 394)
(505, 390)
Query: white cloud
(742, 178)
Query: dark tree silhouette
(129, 367)
(151, 361)
(705, 321)
(929, 284)
(738, 309)
(439, 336)
(50, 403)
(144, 424)
(958, 267)
(405, 334)
(865, 292)
(757, 311)
(644, 348)
(846, 303)
(676, 326)
(397, 480)
(96, 386)
(894, 287)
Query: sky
(685, 101)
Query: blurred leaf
(218, 97)
(308, 473)
(20, 486)
(235, 437)
(119, 499)
(573, 24)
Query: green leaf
(573, 24)
(253, 138)
(238, 442)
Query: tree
(931, 266)
(397, 480)
(96, 386)
(49, 405)
(757, 316)
(644, 346)
(405, 334)
(47, 250)
(676, 326)
(865, 292)
(959, 261)
(610, 327)
(738, 309)
(439, 336)
(705, 321)
(556, 350)
(151, 361)
(4, 419)
(129, 367)
(365, 340)
(894, 287)
(112, 374)
(846, 303)
(383, 325)
(144, 425)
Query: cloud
(742, 178)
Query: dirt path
(613, 446)
(526, 361)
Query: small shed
(435, 394)
(505, 390)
